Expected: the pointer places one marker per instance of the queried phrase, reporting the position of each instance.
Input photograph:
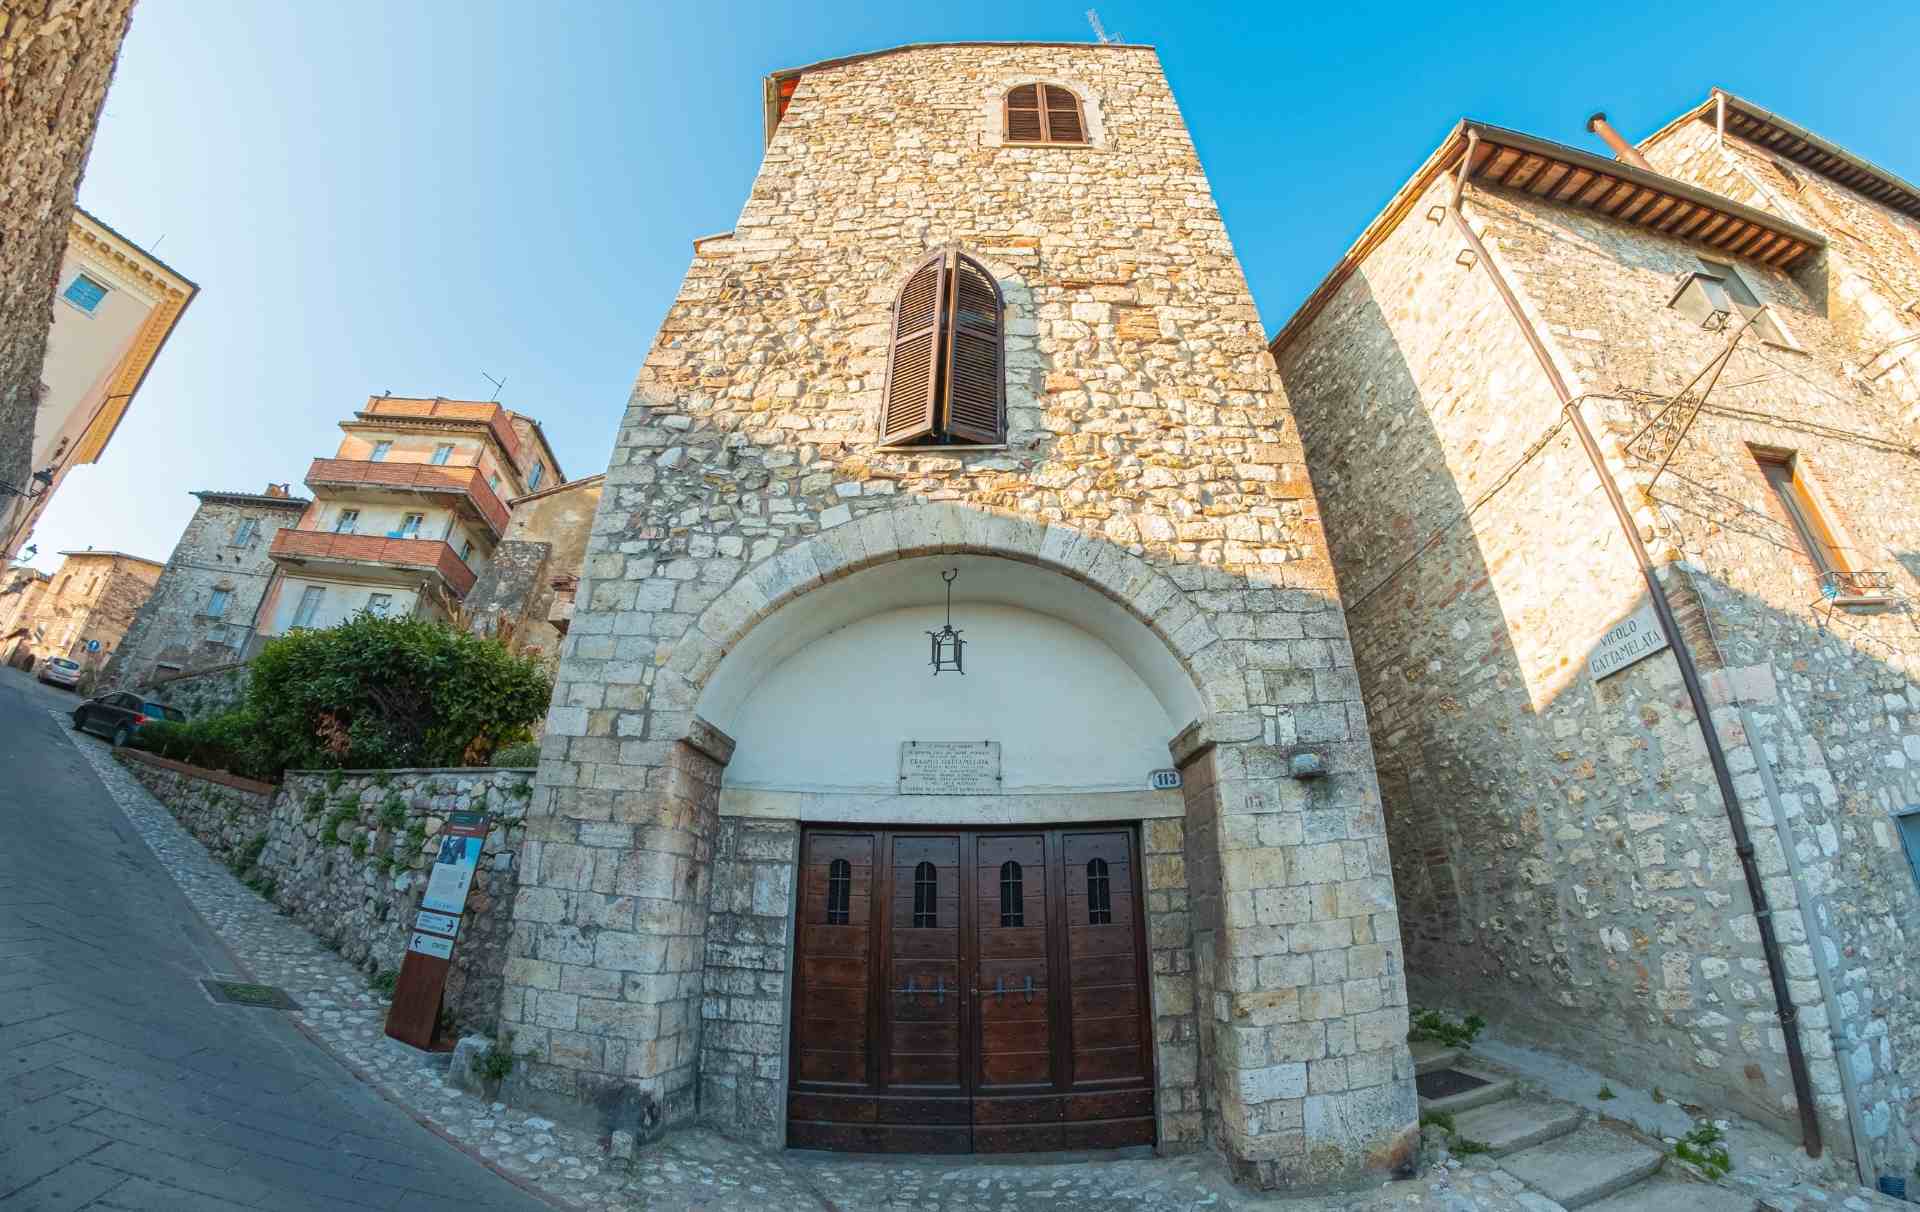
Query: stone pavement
(122, 1085)
(701, 1171)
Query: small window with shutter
(946, 369)
(1045, 113)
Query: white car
(59, 671)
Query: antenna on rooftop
(499, 385)
(1099, 30)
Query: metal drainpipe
(1689, 674)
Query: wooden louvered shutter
(976, 363)
(1064, 124)
(913, 360)
(1023, 115)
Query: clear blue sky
(401, 196)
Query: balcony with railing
(365, 556)
(466, 486)
(493, 416)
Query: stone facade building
(204, 610)
(1728, 324)
(20, 595)
(979, 315)
(88, 606)
(527, 592)
(56, 60)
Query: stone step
(1428, 1056)
(1497, 1088)
(1513, 1124)
(1663, 1194)
(1584, 1167)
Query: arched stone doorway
(1066, 705)
(652, 958)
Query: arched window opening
(926, 897)
(946, 368)
(1099, 899)
(839, 891)
(1044, 113)
(1013, 895)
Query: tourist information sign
(414, 1017)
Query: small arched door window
(926, 897)
(839, 891)
(1099, 898)
(1044, 113)
(1013, 895)
(947, 366)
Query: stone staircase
(1553, 1147)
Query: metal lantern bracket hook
(947, 646)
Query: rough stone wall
(743, 1043)
(56, 60)
(1561, 853)
(208, 692)
(349, 853)
(226, 813)
(1149, 455)
(1842, 678)
(173, 632)
(1177, 1009)
(1872, 274)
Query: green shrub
(229, 741)
(1704, 1148)
(393, 812)
(1432, 1025)
(521, 754)
(249, 854)
(384, 692)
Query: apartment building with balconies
(407, 512)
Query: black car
(120, 715)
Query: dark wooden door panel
(965, 991)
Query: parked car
(119, 716)
(59, 671)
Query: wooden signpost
(414, 1017)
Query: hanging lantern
(947, 644)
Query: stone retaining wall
(227, 813)
(349, 853)
(207, 692)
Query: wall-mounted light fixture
(947, 644)
(42, 479)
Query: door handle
(1029, 989)
(939, 991)
(999, 988)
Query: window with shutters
(946, 370)
(926, 897)
(839, 891)
(1045, 113)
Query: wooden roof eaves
(1799, 145)
(1606, 175)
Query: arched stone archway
(653, 926)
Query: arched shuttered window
(926, 897)
(1044, 113)
(839, 891)
(946, 371)
(1013, 895)
(1099, 896)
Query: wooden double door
(965, 991)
